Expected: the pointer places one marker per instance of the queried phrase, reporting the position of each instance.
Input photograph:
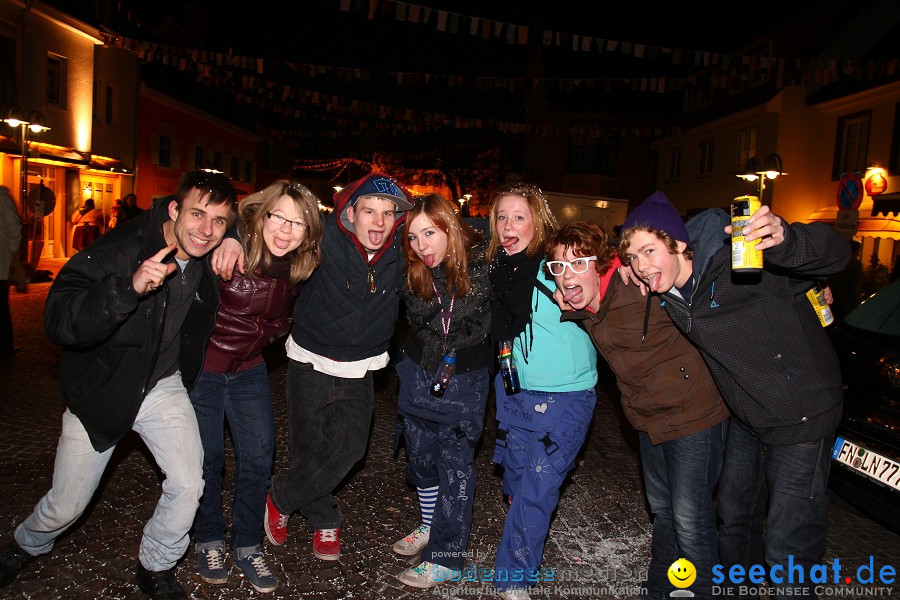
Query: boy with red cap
(344, 318)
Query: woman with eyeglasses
(667, 394)
(447, 297)
(542, 426)
(280, 230)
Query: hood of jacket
(344, 199)
(707, 235)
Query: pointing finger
(162, 254)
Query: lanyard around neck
(446, 315)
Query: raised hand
(153, 272)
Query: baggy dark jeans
(679, 478)
(328, 421)
(441, 452)
(796, 477)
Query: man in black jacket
(773, 363)
(343, 322)
(118, 309)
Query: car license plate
(876, 466)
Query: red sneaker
(327, 544)
(275, 522)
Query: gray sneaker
(211, 562)
(254, 568)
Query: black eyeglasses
(280, 221)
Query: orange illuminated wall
(186, 129)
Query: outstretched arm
(811, 250)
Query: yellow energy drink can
(816, 297)
(745, 258)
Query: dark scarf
(512, 278)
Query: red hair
(460, 238)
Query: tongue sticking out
(653, 282)
(507, 242)
(375, 238)
(429, 261)
(571, 293)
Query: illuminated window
(746, 148)
(56, 80)
(851, 146)
(165, 151)
(894, 168)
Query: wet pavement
(598, 545)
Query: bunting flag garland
(273, 84)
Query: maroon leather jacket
(253, 313)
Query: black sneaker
(159, 585)
(12, 561)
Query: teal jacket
(553, 356)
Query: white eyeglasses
(578, 266)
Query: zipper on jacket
(680, 304)
(161, 323)
(371, 275)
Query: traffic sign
(847, 222)
(849, 192)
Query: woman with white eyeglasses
(543, 425)
(667, 394)
(280, 230)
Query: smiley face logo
(682, 573)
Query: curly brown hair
(584, 239)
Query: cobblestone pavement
(598, 544)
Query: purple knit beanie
(656, 212)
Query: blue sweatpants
(535, 464)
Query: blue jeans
(244, 398)
(679, 478)
(167, 425)
(796, 478)
(328, 421)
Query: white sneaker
(515, 594)
(427, 575)
(413, 543)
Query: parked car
(865, 470)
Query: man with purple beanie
(772, 362)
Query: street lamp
(771, 168)
(463, 212)
(14, 117)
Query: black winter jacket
(470, 321)
(348, 308)
(110, 335)
(761, 338)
